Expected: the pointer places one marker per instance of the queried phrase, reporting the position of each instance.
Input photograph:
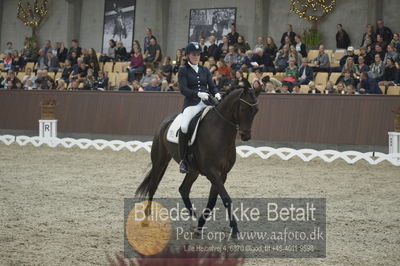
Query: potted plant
(311, 36)
(48, 109)
(396, 112)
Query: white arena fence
(306, 155)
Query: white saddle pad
(173, 130)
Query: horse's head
(248, 108)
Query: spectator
(135, 43)
(231, 57)
(153, 86)
(350, 66)
(203, 47)
(90, 80)
(212, 48)
(329, 88)
(312, 89)
(368, 85)
(270, 82)
(73, 58)
(75, 85)
(340, 88)
(350, 53)
(124, 86)
(75, 48)
(396, 42)
(222, 48)
(240, 78)
(289, 33)
(43, 80)
(18, 63)
(8, 62)
(322, 60)
(135, 85)
(10, 83)
(61, 85)
(241, 44)
(262, 62)
(378, 50)
(381, 42)
(370, 33)
(224, 69)
(384, 31)
(306, 73)
(389, 78)
(67, 71)
(166, 69)
(240, 60)
(102, 81)
(298, 59)
(177, 63)
(350, 89)
(286, 42)
(147, 78)
(62, 53)
(377, 69)
(257, 85)
(260, 43)
(165, 86)
(9, 48)
(110, 56)
(300, 47)
(29, 75)
(153, 53)
(35, 52)
(270, 48)
(120, 52)
(291, 72)
(137, 65)
(52, 62)
(47, 47)
(26, 53)
(347, 78)
(362, 66)
(79, 70)
(281, 60)
(391, 53)
(42, 61)
(146, 42)
(28, 85)
(51, 85)
(398, 73)
(367, 57)
(342, 38)
(233, 35)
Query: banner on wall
(210, 22)
(119, 22)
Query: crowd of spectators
(231, 61)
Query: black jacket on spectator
(291, 37)
(212, 50)
(233, 38)
(303, 50)
(344, 42)
(370, 86)
(18, 64)
(386, 33)
(62, 55)
(78, 51)
(309, 75)
(120, 54)
(263, 60)
(271, 51)
(390, 74)
(66, 73)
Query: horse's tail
(144, 188)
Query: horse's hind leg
(184, 190)
(212, 199)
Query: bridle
(236, 123)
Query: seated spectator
(61, 85)
(362, 66)
(281, 59)
(203, 53)
(350, 89)
(153, 55)
(10, 83)
(137, 64)
(148, 77)
(384, 31)
(242, 44)
(75, 48)
(67, 71)
(369, 45)
(92, 56)
(298, 59)
(42, 60)
(74, 85)
(296, 88)
(9, 48)
(62, 53)
(370, 33)
(291, 73)
(270, 48)
(2, 82)
(120, 52)
(165, 86)
(123, 86)
(222, 48)
(110, 55)
(300, 47)
(153, 86)
(350, 66)
(312, 89)
(367, 57)
(135, 85)
(35, 52)
(240, 60)
(368, 85)
(248, 58)
(233, 36)
(285, 89)
(51, 62)
(177, 63)
(240, 78)
(102, 82)
(90, 80)
(231, 57)
(29, 75)
(166, 68)
(329, 88)
(350, 53)
(28, 85)
(347, 78)
(377, 69)
(8, 62)
(322, 61)
(79, 70)
(340, 88)
(51, 85)
(224, 69)
(396, 42)
(18, 63)
(381, 42)
(391, 53)
(306, 73)
(378, 50)
(47, 47)
(342, 38)
(269, 88)
(73, 58)
(26, 53)
(271, 82)
(260, 44)
(257, 85)
(389, 77)
(212, 48)
(43, 80)
(290, 34)
(212, 65)
(262, 62)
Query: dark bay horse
(214, 151)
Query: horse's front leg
(184, 190)
(218, 182)
(212, 199)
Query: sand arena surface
(65, 206)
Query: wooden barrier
(337, 119)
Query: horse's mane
(230, 91)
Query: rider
(195, 82)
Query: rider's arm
(183, 83)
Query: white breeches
(189, 113)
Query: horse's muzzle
(245, 135)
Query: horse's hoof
(235, 234)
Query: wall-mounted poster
(119, 22)
(211, 21)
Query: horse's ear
(258, 91)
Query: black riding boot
(183, 144)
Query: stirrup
(183, 167)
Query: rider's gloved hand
(203, 95)
(218, 96)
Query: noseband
(233, 124)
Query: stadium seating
(393, 90)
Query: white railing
(306, 155)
